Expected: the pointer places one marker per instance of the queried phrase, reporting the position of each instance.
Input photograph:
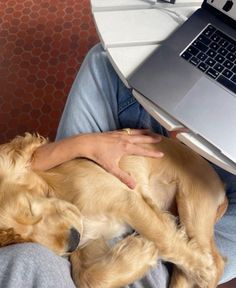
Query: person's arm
(106, 149)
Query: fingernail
(158, 138)
(131, 184)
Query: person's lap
(225, 229)
(126, 112)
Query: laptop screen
(228, 7)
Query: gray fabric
(31, 265)
(156, 278)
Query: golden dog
(77, 207)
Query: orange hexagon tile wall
(42, 45)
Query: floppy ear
(24, 146)
(28, 143)
(8, 236)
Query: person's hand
(107, 149)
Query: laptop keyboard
(214, 53)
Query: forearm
(56, 153)
(106, 149)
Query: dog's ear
(28, 143)
(8, 236)
(24, 146)
(16, 155)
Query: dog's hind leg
(99, 266)
(197, 214)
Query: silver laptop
(192, 77)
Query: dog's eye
(26, 214)
(27, 218)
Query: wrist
(84, 146)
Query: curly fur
(48, 207)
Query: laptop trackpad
(209, 110)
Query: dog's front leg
(180, 280)
(172, 244)
(99, 266)
(199, 225)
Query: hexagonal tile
(42, 44)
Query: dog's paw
(204, 272)
(135, 248)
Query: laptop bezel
(227, 19)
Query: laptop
(192, 76)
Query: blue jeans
(99, 101)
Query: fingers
(131, 131)
(133, 137)
(123, 177)
(133, 149)
(145, 139)
(114, 169)
(114, 145)
(144, 136)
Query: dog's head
(28, 212)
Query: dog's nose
(74, 239)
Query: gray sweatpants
(31, 265)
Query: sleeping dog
(76, 208)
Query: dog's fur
(45, 207)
